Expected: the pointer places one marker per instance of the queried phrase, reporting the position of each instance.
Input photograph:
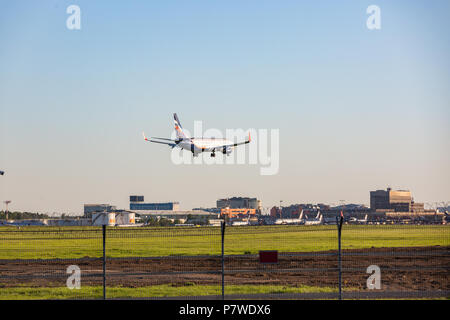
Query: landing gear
(213, 154)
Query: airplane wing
(217, 148)
(239, 143)
(162, 139)
(169, 142)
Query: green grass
(78, 242)
(166, 290)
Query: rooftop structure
(239, 202)
(137, 203)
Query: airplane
(360, 221)
(288, 221)
(197, 145)
(317, 220)
(328, 219)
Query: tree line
(15, 215)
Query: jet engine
(227, 150)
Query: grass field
(96, 292)
(77, 242)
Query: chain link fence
(412, 261)
(238, 262)
(36, 262)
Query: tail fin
(318, 214)
(178, 127)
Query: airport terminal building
(394, 200)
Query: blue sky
(357, 109)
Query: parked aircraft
(359, 221)
(309, 222)
(317, 220)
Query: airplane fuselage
(199, 145)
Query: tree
(163, 222)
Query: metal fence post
(223, 258)
(104, 261)
(339, 221)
